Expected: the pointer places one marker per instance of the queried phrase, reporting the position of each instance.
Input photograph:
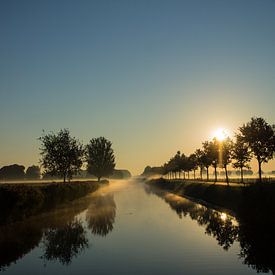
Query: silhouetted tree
(100, 157)
(14, 171)
(241, 155)
(173, 166)
(259, 136)
(193, 163)
(208, 156)
(62, 155)
(200, 156)
(151, 171)
(178, 163)
(213, 151)
(225, 155)
(33, 172)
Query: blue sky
(152, 76)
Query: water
(128, 228)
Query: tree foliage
(241, 155)
(33, 172)
(14, 171)
(100, 157)
(225, 154)
(209, 152)
(259, 137)
(61, 154)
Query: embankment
(256, 199)
(18, 201)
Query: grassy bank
(257, 198)
(18, 201)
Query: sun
(221, 134)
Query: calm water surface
(126, 228)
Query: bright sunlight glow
(221, 134)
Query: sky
(152, 76)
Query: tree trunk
(207, 173)
(98, 179)
(188, 174)
(64, 178)
(260, 171)
(226, 175)
(201, 173)
(194, 174)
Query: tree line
(253, 139)
(63, 155)
(15, 171)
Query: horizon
(153, 77)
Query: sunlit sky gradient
(154, 77)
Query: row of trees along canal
(254, 139)
(64, 156)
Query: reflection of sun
(223, 216)
(221, 134)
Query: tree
(241, 155)
(200, 156)
(193, 163)
(259, 136)
(62, 155)
(14, 171)
(100, 157)
(208, 156)
(225, 155)
(213, 152)
(179, 163)
(33, 172)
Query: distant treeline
(17, 172)
(254, 139)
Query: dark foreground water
(130, 228)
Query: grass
(20, 200)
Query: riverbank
(20, 200)
(256, 199)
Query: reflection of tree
(255, 230)
(18, 239)
(223, 228)
(101, 214)
(257, 239)
(64, 243)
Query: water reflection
(63, 236)
(16, 241)
(256, 237)
(255, 233)
(222, 227)
(63, 244)
(101, 214)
